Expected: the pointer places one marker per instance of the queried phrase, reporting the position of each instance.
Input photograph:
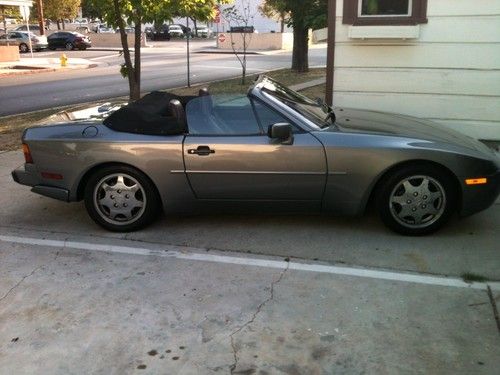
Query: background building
(436, 59)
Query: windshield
(319, 113)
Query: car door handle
(201, 150)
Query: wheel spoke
(405, 211)
(424, 186)
(106, 202)
(400, 199)
(409, 188)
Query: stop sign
(222, 38)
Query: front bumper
(29, 177)
(476, 198)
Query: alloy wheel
(119, 199)
(417, 201)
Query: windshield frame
(319, 114)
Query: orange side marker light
(27, 154)
(476, 181)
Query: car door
(229, 156)
(52, 40)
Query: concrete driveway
(241, 294)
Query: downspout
(330, 53)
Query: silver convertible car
(270, 149)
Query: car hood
(373, 122)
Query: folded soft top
(149, 115)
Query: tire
(121, 199)
(417, 200)
(23, 48)
(69, 46)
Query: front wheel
(416, 200)
(69, 46)
(121, 199)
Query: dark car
(68, 40)
(158, 33)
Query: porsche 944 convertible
(272, 148)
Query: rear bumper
(477, 198)
(27, 176)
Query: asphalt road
(162, 68)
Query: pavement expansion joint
(494, 307)
(254, 316)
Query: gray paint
(335, 168)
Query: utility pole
(41, 21)
(187, 49)
(330, 53)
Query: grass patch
(470, 277)
(12, 127)
(315, 91)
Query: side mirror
(281, 131)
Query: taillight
(27, 154)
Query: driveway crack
(27, 276)
(254, 316)
(494, 307)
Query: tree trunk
(137, 58)
(300, 60)
(63, 24)
(134, 86)
(58, 24)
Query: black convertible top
(149, 115)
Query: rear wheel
(23, 48)
(417, 200)
(121, 199)
(69, 46)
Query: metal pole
(187, 45)
(41, 21)
(330, 53)
(25, 11)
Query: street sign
(222, 38)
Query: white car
(103, 29)
(175, 31)
(203, 32)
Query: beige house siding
(449, 73)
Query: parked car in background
(33, 28)
(203, 32)
(104, 29)
(68, 40)
(22, 39)
(128, 30)
(175, 31)
(158, 33)
(82, 21)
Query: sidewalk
(30, 65)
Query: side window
(268, 116)
(221, 115)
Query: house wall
(449, 73)
(257, 41)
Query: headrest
(203, 92)
(178, 112)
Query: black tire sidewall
(387, 186)
(153, 201)
(23, 48)
(69, 44)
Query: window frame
(352, 15)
